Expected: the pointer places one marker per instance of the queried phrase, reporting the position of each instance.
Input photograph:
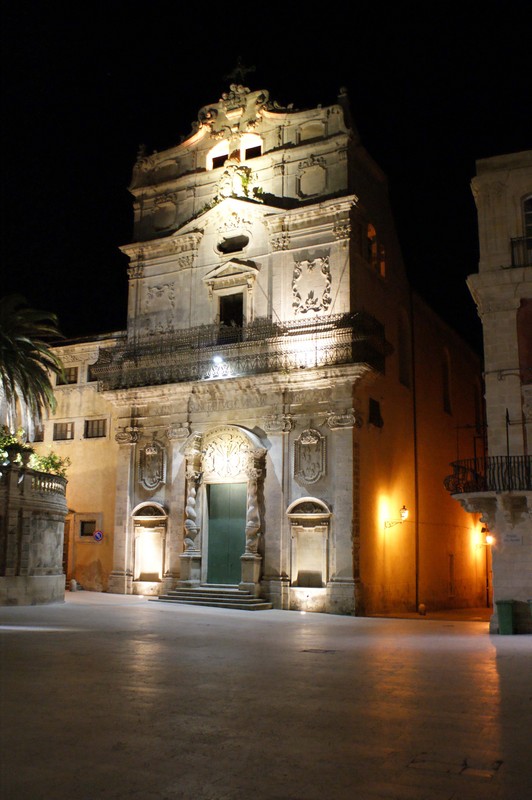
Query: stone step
(208, 595)
(216, 596)
(259, 605)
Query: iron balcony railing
(522, 251)
(490, 474)
(210, 352)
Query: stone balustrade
(33, 509)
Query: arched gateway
(224, 473)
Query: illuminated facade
(279, 394)
(500, 486)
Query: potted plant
(50, 463)
(13, 448)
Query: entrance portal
(227, 531)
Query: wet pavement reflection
(119, 697)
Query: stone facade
(502, 290)
(276, 365)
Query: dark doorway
(231, 317)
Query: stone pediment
(235, 272)
(229, 214)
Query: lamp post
(487, 543)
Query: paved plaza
(106, 697)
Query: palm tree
(26, 363)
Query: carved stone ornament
(233, 221)
(348, 419)
(136, 270)
(310, 456)
(152, 466)
(342, 230)
(158, 293)
(311, 286)
(236, 180)
(177, 432)
(150, 511)
(277, 423)
(127, 436)
(280, 241)
(226, 455)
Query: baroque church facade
(281, 412)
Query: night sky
(433, 86)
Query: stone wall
(33, 510)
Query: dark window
(253, 152)
(232, 310)
(527, 210)
(446, 384)
(374, 413)
(233, 245)
(375, 252)
(90, 374)
(219, 161)
(87, 527)
(405, 367)
(231, 318)
(38, 434)
(527, 213)
(95, 428)
(63, 430)
(70, 376)
(371, 246)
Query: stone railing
(491, 474)
(43, 483)
(212, 352)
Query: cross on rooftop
(239, 73)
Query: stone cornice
(500, 289)
(178, 243)
(303, 380)
(307, 215)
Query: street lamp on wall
(403, 514)
(488, 538)
(487, 541)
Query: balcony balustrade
(210, 352)
(490, 474)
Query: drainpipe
(416, 469)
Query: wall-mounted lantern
(403, 514)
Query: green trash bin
(505, 615)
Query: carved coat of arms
(152, 466)
(310, 456)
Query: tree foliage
(27, 363)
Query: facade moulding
(176, 244)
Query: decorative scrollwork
(311, 286)
(127, 435)
(348, 419)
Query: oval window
(233, 244)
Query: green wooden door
(227, 531)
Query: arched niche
(149, 526)
(309, 521)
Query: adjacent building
(500, 486)
(281, 411)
